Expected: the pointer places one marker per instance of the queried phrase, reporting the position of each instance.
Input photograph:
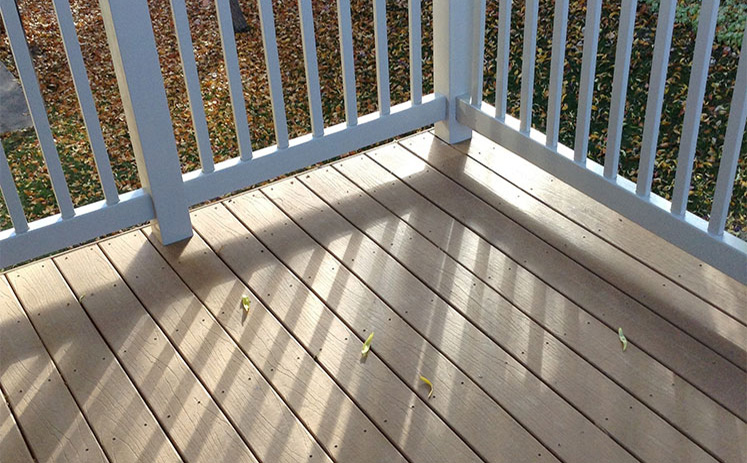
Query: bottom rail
(690, 233)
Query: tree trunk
(237, 17)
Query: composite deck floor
(502, 286)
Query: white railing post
(455, 60)
(133, 47)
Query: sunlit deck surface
(502, 286)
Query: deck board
(201, 432)
(14, 449)
(54, 425)
(397, 411)
(469, 272)
(270, 428)
(123, 423)
(719, 378)
(493, 372)
(700, 279)
(313, 395)
(597, 397)
(714, 328)
(650, 382)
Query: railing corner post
(454, 60)
(129, 32)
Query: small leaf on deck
(623, 339)
(245, 302)
(367, 345)
(430, 385)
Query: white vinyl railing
(167, 194)
(456, 108)
(706, 240)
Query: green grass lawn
(56, 84)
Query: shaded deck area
(502, 286)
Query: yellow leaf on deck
(245, 302)
(430, 385)
(367, 345)
(623, 339)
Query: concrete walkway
(14, 114)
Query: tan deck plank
(187, 412)
(651, 382)
(700, 278)
(713, 328)
(498, 378)
(125, 426)
(418, 432)
(272, 431)
(53, 424)
(591, 392)
(333, 418)
(13, 448)
(714, 375)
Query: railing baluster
(527, 65)
(85, 98)
(727, 169)
(312, 68)
(619, 87)
(267, 20)
(10, 195)
(586, 90)
(382, 56)
(657, 82)
(35, 103)
(416, 53)
(694, 104)
(346, 52)
(557, 62)
(235, 87)
(192, 82)
(501, 59)
(477, 64)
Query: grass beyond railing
(49, 59)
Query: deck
(501, 285)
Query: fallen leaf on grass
(245, 302)
(430, 385)
(623, 339)
(367, 345)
